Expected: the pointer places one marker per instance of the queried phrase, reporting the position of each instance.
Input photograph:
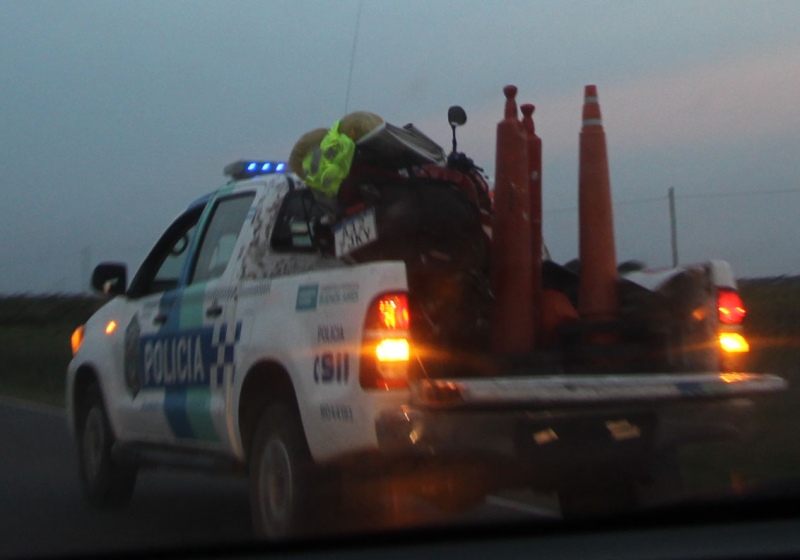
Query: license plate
(355, 232)
(586, 435)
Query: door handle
(214, 311)
(160, 319)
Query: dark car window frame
(209, 223)
(143, 282)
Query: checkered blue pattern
(223, 344)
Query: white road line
(31, 407)
(523, 507)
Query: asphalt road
(42, 511)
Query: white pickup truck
(242, 344)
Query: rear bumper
(568, 433)
(574, 416)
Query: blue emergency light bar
(244, 169)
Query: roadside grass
(772, 453)
(35, 344)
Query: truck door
(180, 340)
(204, 331)
(151, 297)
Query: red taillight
(393, 312)
(731, 307)
(385, 353)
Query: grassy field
(35, 344)
(35, 350)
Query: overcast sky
(115, 115)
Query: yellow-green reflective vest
(329, 164)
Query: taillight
(393, 312)
(733, 343)
(731, 307)
(386, 349)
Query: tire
(105, 482)
(283, 479)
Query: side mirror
(110, 278)
(456, 116)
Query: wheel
(283, 480)
(105, 482)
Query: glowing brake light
(731, 307)
(393, 350)
(386, 350)
(733, 343)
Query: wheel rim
(276, 487)
(93, 443)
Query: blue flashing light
(244, 169)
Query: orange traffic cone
(510, 276)
(535, 214)
(597, 299)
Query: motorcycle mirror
(456, 116)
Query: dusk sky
(114, 116)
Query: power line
(631, 201)
(739, 193)
(639, 200)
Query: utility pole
(672, 227)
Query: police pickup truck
(249, 341)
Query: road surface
(43, 512)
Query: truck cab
(233, 312)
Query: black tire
(105, 482)
(283, 479)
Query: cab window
(220, 237)
(295, 222)
(161, 270)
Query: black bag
(436, 230)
